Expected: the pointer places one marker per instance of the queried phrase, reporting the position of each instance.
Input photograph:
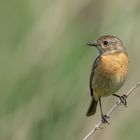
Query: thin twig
(118, 103)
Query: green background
(45, 67)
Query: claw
(104, 119)
(123, 100)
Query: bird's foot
(123, 100)
(105, 119)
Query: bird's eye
(105, 42)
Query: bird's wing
(92, 74)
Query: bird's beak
(95, 44)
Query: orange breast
(114, 64)
(110, 74)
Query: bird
(109, 72)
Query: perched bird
(108, 73)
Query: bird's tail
(92, 107)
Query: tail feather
(92, 107)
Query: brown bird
(108, 73)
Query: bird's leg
(104, 117)
(122, 99)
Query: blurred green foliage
(45, 67)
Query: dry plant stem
(98, 126)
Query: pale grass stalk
(118, 103)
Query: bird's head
(108, 44)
